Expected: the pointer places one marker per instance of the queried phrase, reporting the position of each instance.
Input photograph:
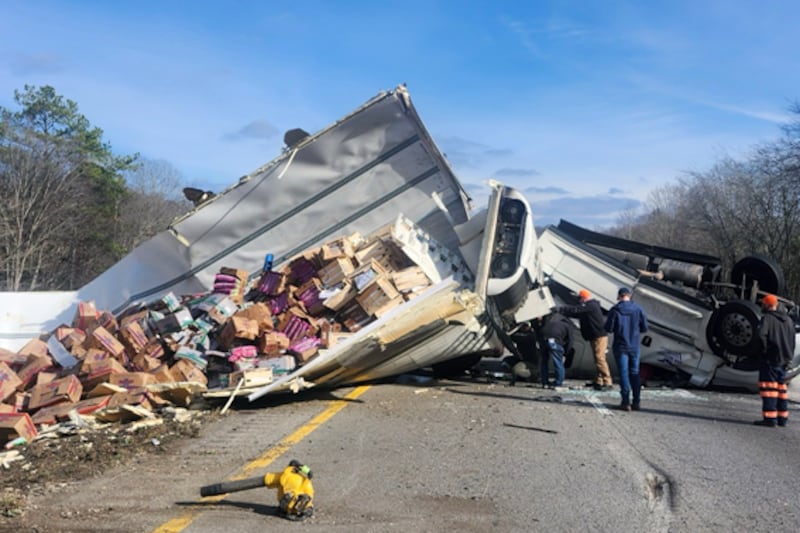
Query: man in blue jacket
(627, 321)
(778, 343)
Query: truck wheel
(733, 329)
(761, 268)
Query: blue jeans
(553, 352)
(628, 367)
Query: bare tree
(155, 198)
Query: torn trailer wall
(354, 175)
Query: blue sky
(587, 105)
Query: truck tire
(761, 268)
(733, 329)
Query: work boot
(624, 407)
(635, 406)
(766, 422)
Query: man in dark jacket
(626, 320)
(555, 337)
(590, 316)
(778, 343)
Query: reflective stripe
(783, 414)
(768, 384)
(770, 414)
(769, 393)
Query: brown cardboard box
(36, 347)
(145, 363)
(64, 389)
(273, 343)
(7, 408)
(260, 313)
(354, 317)
(253, 377)
(131, 397)
(339, 248)
(102, 338)
(341, 298)
(184, 370)
(35, 365)
(409, 278)
(162, 374)
(15, 361)
(85, 316)
(9, 381)
(101, 372)
(60, 412)
(336, 270)
(377, 294)
(133, 337)
(43, 378)
(108, 321)
(366, 273)
(13, 425)
(132, 380)
(238, 327)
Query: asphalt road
(468, 456)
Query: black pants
(774, 394)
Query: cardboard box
(15, 361)
(353, 317)
(273, 343)
(102, 338)
(410, 278)
(108, 321)
(272, 283)
(238, 327)
(184, 370)
(85, 316)
(260, 313)
(162, 374)
(35, 365)
(133, 337)
(60, 412)
(65, 389)
(7, 408)
(341, 297)
(101, 372)
(132, 380)
(9, 381)
(145, 363)
(35, 347)
(13, 425)
(336, 270)
(335, 249)
(254, 377)
(377, 294)
(131, 397)
(366, 273)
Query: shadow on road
(267, 510)
(579, 402)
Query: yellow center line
(176, 525)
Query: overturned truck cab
(702, 328)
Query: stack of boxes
(244, 332)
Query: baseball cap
(770, 300)
(623, 291)
(584, 294)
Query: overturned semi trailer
(701, 327)
(374, 167)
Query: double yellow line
(176, 525)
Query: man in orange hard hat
(778, 343)
(590, 316)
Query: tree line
(72, 207)
(736, 208)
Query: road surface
(469, 456)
